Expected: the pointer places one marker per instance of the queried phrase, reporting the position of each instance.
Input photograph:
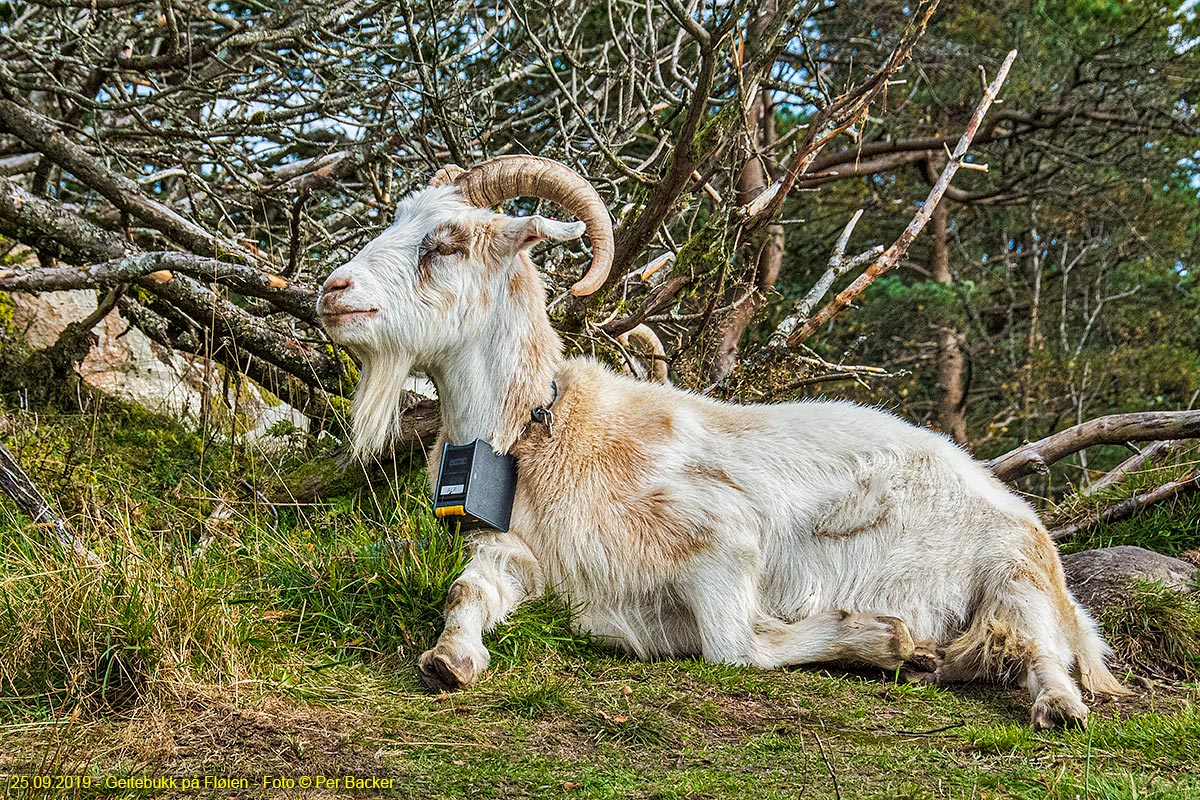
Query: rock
(1102, 578)
(124, 363)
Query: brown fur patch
(449, 239)
(992, 645)
(444, 241)
(989, 647)
(522, 284)
(1042, 568)
(733, 420)
(602, 457)
(490, 247)
(424, 271)
(459, 593)
(656, 523)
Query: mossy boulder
(1148, 605)
(1103, 577)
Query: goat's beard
(379, 401)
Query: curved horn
(643, 338)
(505, 177)
(446, 175)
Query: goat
(678, 525)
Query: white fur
(764, 535)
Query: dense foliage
(1072, 285)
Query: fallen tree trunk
(1126, 508)
(1112, 429)
(20, 488)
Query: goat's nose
(338, 284)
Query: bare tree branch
(294, 298)
(838, 266)
(238, 329)
(1147, 456)
(1128, 507)
(40, 133)
(891, 257)
(840, 115)
(1112, 429)
(658, 299)
(50, 228)
(21, 489)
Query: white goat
(763, 535)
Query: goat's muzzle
(334, 312)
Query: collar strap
(543, 414)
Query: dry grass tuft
(109, 637)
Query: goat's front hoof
(926, 657)
(1058, 711)
(900, 645)
(442, 671)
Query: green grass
(286, 646)
(1171, 527)
(1157, 631)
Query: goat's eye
(434, 245)
(447, 248)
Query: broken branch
(838, 266)
(1151, 453)
(295, 298)
(891, 257)
(1126, 508)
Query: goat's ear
(520, 233)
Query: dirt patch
(275, 737)
(1146, 696)
(205, 736)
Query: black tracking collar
(476, 486)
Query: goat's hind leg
(733, 629)
(1005, 647)
(501, 574)
(876, 640)
(1027, 627)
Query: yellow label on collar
(450, 511)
